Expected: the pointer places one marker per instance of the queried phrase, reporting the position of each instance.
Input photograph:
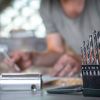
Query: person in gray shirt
(74, 20)
(68, 20)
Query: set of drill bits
(90, 50)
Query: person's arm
(55, 47)
(69, 64)
(54, 40)
(25, 60)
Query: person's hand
(67, 65)
(23, 60)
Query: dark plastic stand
(91, 80)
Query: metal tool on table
(20, 82)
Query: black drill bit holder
(91, 80)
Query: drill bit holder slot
(91, 80)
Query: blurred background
(21, 28)
(20, 14)
(21, 19)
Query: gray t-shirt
(74, 31)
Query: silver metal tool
(96, 52)
(84, 53)
(98, 41)
(91, 49)
(88, 52)
(20, 81)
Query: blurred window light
(22, 14)
(18, 4)
(40, 33)
(35, 3)
(18, 21)
(4, 20)
(27, 11)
